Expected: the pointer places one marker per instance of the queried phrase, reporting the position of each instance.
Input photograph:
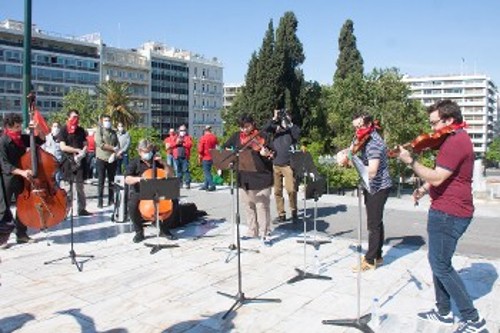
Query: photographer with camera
(285, 136)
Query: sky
(424, 37)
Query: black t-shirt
(137, 167)
(77, 140)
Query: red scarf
(362, 132)
(244, 138)
(455, 127)
(15, 136)
(72, 124)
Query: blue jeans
(444, 231)
(121, 164)
(182, 168)
(207, 173)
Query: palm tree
(116, 99)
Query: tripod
(360, 322)
(240, 298)
(72, 254)
(224, 160)
(304, 161)
(157, 189)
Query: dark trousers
(105, 169)
(136, 217)
(7, 221)
(375, 204)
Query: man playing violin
(374, 155)
(13, 145)
(449, 185)
(133, 176)
(256, 185)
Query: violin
(41, 204)
(425, 141)
(257, 143)
(147, 207)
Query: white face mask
(182, 133)
(55, 131)
(106, 124)
(120, 129)
(147, 156)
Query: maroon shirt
(454, 195)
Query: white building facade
(477, 96)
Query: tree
(349, 60)
(84, 102)
(115, 100)
(289, 55)
(493, 151)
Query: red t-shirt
(207, 141)
(171, 139)
(90, 143)
(454, 195)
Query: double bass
(41, 204)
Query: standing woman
(256, 185)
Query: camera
(284, 119)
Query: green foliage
(115, 99)
(493, 151)
(349, 61)
(139, 133)
(80, 100)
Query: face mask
(147, 156)
(120, 129)
(106, 124)
(182, 133)
(55, 131)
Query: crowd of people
(264, 161)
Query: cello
(41, 204)
(148, 209)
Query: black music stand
(248, 162)
(72, 254)
(159, 189)
(224, 160)
(360, 322)
(302, 164)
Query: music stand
(360, 322)
(223, 160)
(248, 161)
(302, 164)
(72, 254)
(159, 189)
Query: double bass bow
(41, 204)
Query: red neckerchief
(362, 132)
(72, 124)
(15, 136)
(244, 138)
(455, 127)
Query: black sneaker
(434, 316)
(188, 186)
(139, 237)
(4, 240)
(203, 188)
(211, 189)
(24, 239)
(279, 219)
(469, 326)
(84, 212)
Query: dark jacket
(282, 141)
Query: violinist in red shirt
(207, 142)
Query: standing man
(107, 151)
(285, 135)
(72, 139)
(13, 145)
(124, 140)
(170, 141)
(207, 142)
(449, 185)
(182, 152)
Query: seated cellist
(133, 176)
